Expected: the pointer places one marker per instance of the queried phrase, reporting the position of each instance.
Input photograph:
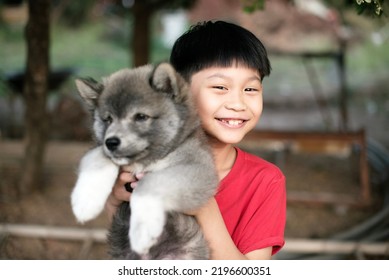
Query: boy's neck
(224, 155)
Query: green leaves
(250, 6)
(374, 8)
(370, 7)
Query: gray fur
(144, 118)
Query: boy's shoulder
(250, 171)
(246, 160)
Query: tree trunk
(35, 91)
(141, 37)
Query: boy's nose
(236, 102)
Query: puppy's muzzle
(112, 143)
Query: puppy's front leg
(148, 219)
(97, 175)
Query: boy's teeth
(233, 122)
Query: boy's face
(229, 101)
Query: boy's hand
(121, 191)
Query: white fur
(146, 223)
(97, 175)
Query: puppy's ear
(89, 90)
(164, 78)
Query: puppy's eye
(141, 117)
(107, 119)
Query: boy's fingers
(126, 183)
(120, 193)
(125, 177)
(120, 189)
(139, 176)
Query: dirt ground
(49, 206)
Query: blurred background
(325, 121)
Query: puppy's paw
(146, 224)
(96, 178)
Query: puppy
(145, 120)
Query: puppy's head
(140, 114)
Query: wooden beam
(292, 245)
(322, 246)
(349, 138)
(55, 232)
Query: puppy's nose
(112, 143)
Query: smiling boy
(225, 65)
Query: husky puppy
(145, 120)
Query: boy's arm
(220, 242)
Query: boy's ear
(89, 90)
(164, 78)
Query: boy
(225, 65)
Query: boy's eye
(219, 87)
(252, 90)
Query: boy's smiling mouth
(234, 123)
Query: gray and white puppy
(145, 120)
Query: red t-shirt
(252, 201)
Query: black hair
(218, 43)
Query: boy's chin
(231, 139)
